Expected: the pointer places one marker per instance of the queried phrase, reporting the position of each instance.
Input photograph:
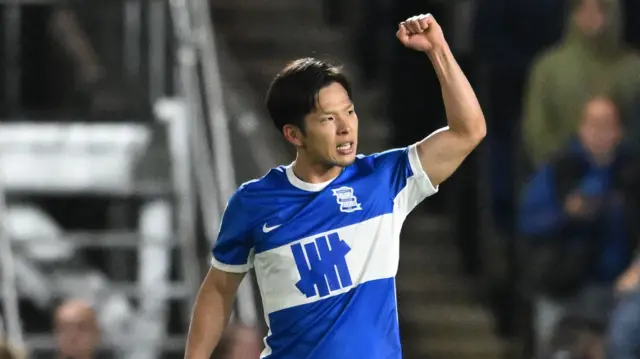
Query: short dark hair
(294, 91)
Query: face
(76, 332)
(331, 131)
(590, 17)
(600, 131)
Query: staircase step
(434, 288)
(469, 348)
(418, 223)
(415, 333)
(423, 261)
(447, 314)
(439, 326)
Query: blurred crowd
(573, 182)
(560, 85)
(578, 207)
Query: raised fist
(421, 33)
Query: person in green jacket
(591, 60)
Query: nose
(343, 128)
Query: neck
(602, 159)
(603, 45)
(314, 173)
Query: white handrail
(218, 118)
(197, 40)
(13, 324)
(203, 29)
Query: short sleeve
(233, 250)
(407, 180)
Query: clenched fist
(421, 33)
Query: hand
(575, 205)
(629, 280)
(421, 33)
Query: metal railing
(11, 317)
(138, 30)
(210, 138)
(200, 141)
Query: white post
(154, 261)
(9, 285)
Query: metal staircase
(159, 205)
(157, 172)
(440, 313)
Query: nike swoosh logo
(266, 229)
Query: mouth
(346, 148)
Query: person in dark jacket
(576, 212)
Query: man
(76, 330)
(577, 213)
(323, 233)
(590, 60)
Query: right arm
(211, 312)
(232, 258)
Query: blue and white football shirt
(326, 254)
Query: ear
(293, 135)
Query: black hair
(293, 93)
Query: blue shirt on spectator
(542, 208)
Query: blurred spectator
(591, 60)
(577, 338)
(575, 214)
(77, 331)
(9, 352)
(240, 342)
(624, 326)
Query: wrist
(439, 52)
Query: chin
(345, 161)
